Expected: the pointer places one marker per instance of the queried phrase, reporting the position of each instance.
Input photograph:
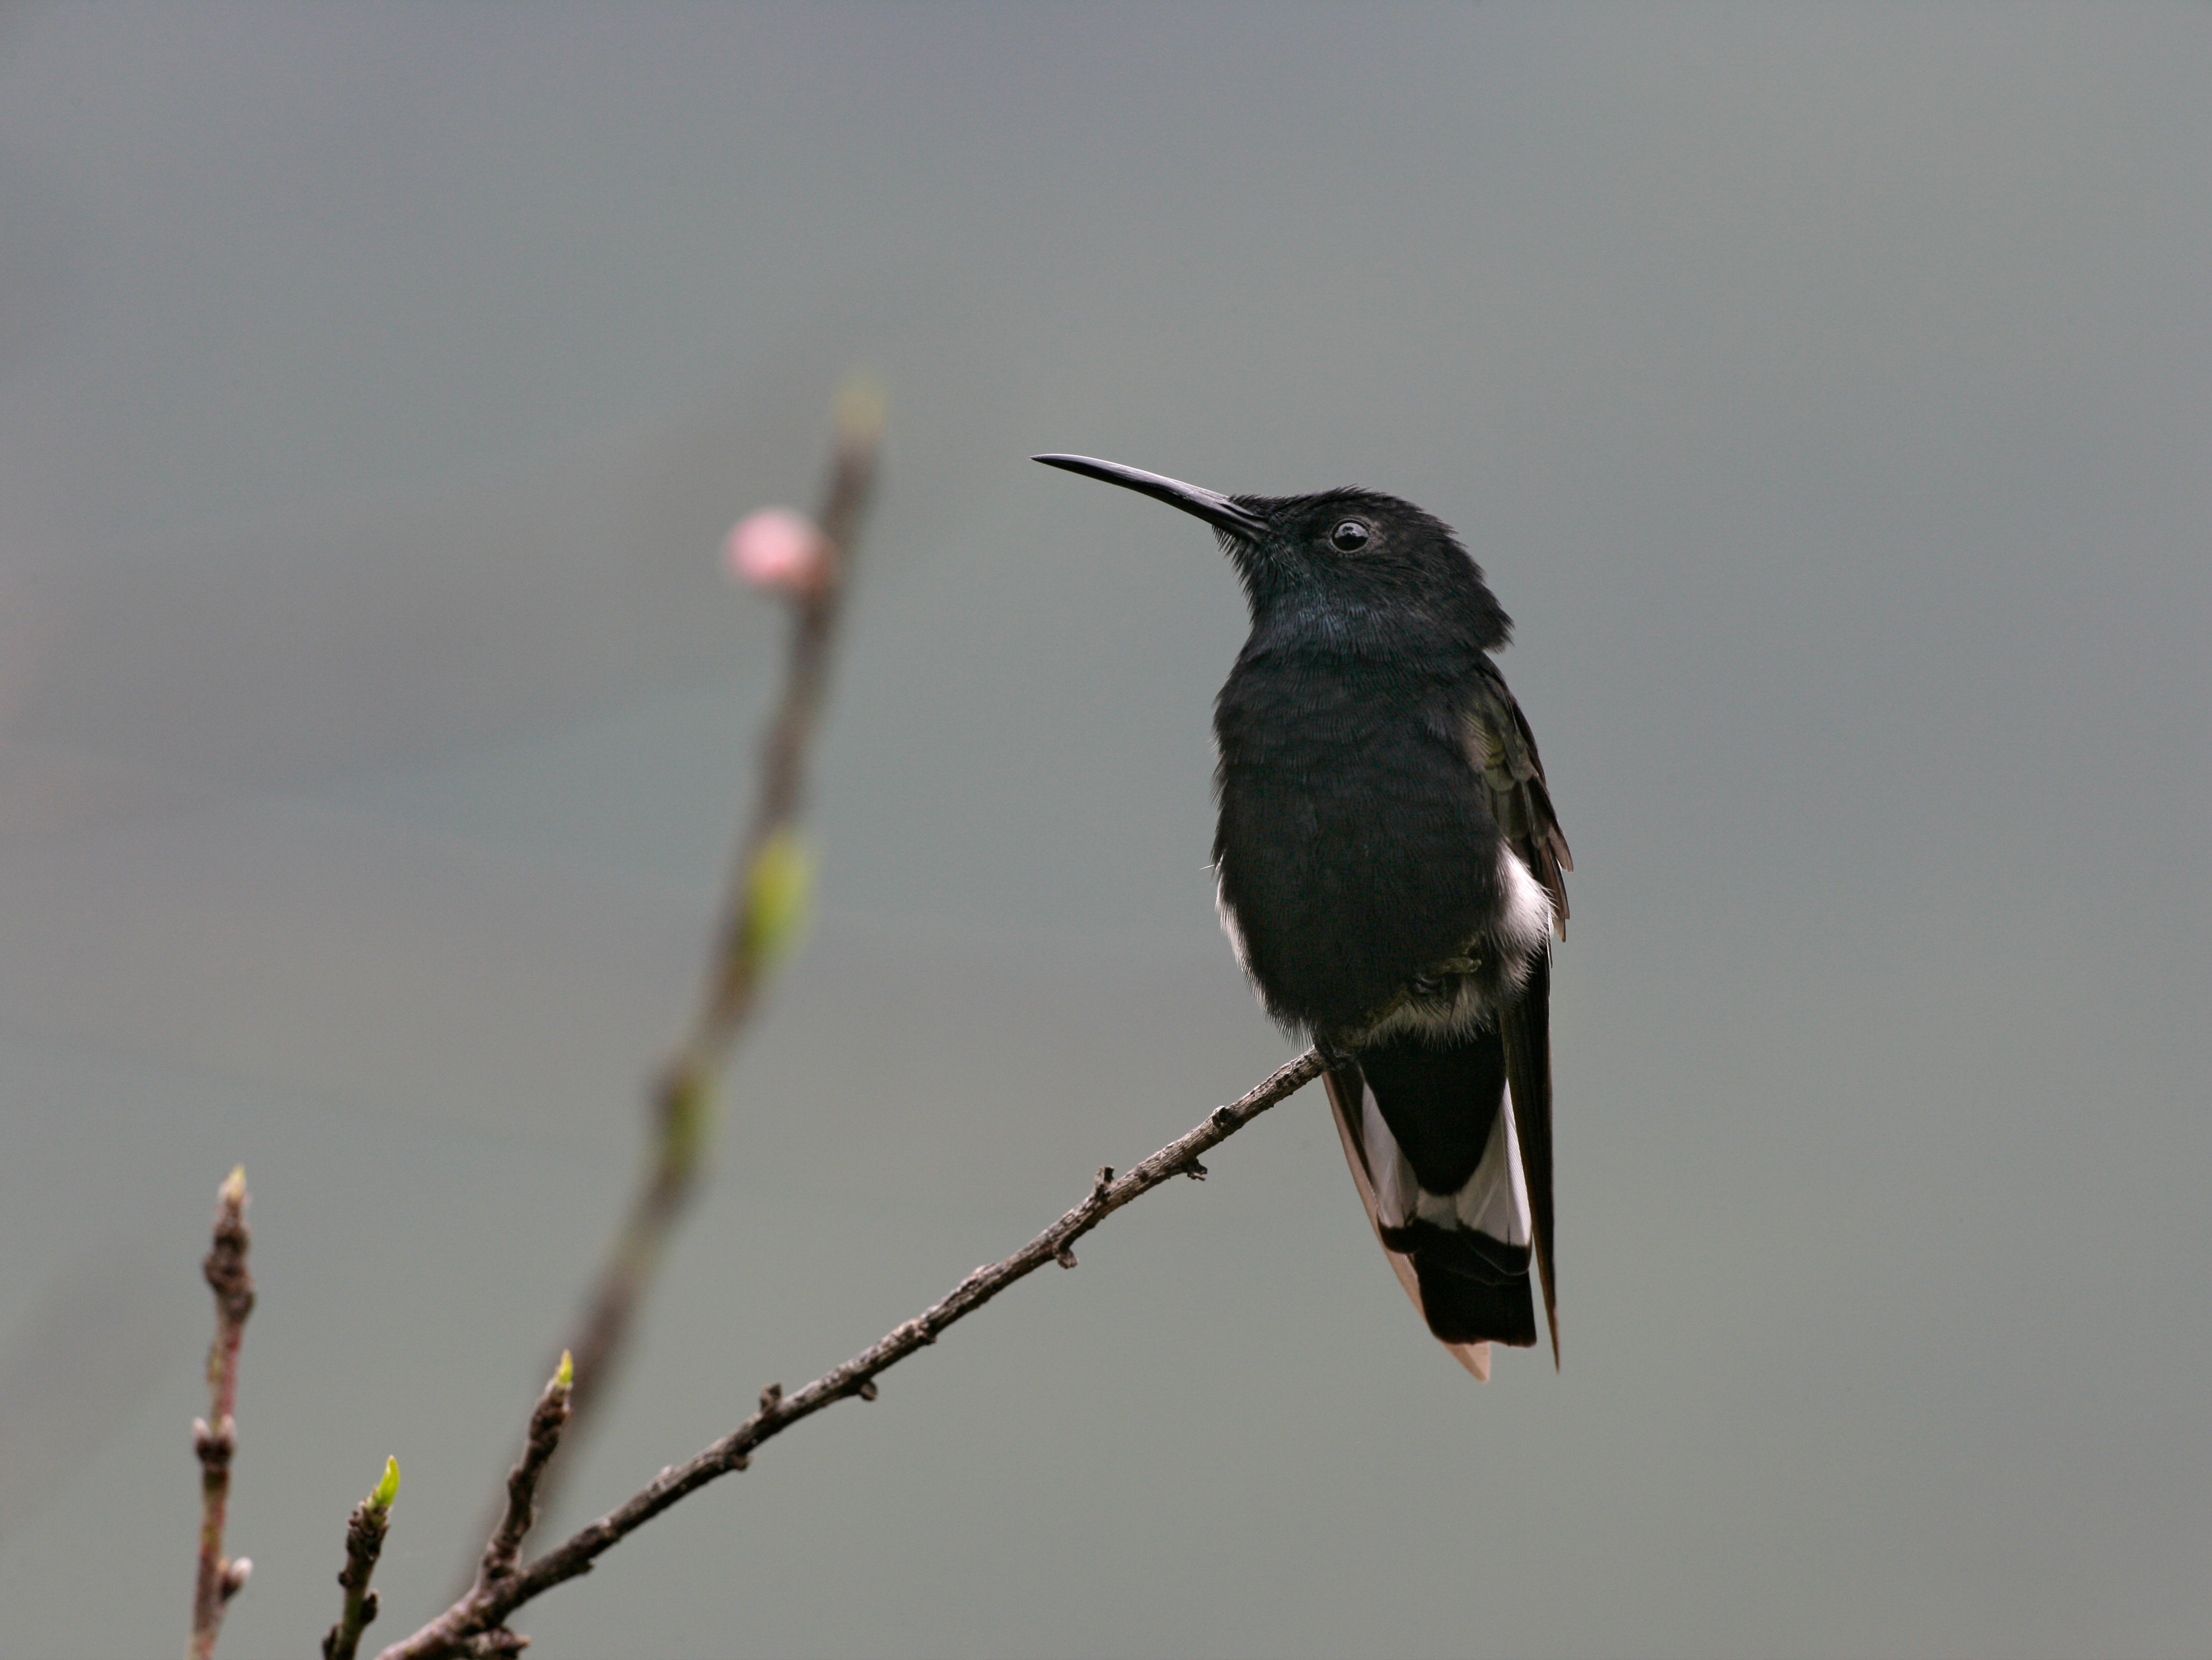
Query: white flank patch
(1528, 907)
(1227, 913)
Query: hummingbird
(1388, 872)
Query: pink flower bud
(778, 549)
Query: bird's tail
(1429, 1132)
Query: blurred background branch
(475, 1624)
(810, 566)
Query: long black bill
(1218, 510)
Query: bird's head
(1355, 564)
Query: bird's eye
(1349, 537)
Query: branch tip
(365, 1531)
(215, 1437)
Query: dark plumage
(1389, 873)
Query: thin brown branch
(504, 1548)
(476, 1623)
(215, 1437)
(477, 1620)
(365, 1531)
(768, 866)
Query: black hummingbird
(1387, 868)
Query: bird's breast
(1355, 848)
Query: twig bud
(214, 1446)
(234, 1576)
(387, 1489)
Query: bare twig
(476, 1623)
(215, 1437)
(476, 1619)
(767, 880)
(365, 1531)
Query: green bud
(388, 1488)
(778, 892)
(564, 1375)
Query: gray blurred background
(1826, 392)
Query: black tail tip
(1464, 1311)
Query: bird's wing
(1347, 1102)
(1503, 751)
(1526, 1026)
